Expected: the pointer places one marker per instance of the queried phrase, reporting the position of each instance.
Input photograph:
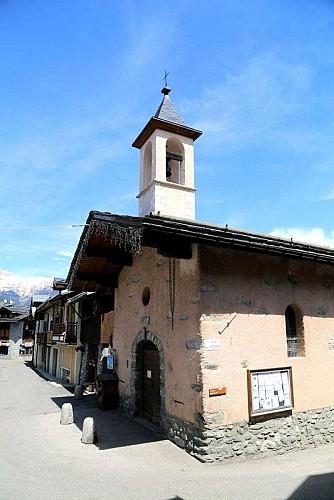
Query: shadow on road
(114, 428)
(319, 486)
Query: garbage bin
(107, 391)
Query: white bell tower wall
(167, 176)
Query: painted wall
(235, 301)
(68, 361)
(258, 289)
(182, 363)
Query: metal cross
(165, 78)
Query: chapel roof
(110, 241)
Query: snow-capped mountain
(18, 290)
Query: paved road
(41, 459)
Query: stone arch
(136, 370)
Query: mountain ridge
(18, 290)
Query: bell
(168, 168)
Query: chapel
(223, 338)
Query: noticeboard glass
(269, 390)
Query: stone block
(193, 344)
(66, 416)
(89, 434)
(179, 441)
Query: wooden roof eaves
(155, 226)
(158, 123)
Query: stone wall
(15, 339)
(246, 440)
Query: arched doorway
(148, 383)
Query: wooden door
(151, 385)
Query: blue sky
(80, 78)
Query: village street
(42, 459)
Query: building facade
(223, 338)
(15, 339)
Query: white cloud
(254, 102)
(150, 32)
(328, 196)
(316, 235)
(65, 253)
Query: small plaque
(211, 344)
(217, 391)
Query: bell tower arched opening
(174, 161)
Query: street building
(224, 338)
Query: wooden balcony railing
(52, 338)
(59, 329)
(62, 332)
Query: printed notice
(270, 390)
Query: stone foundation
(245, 440)
(125, 404)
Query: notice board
(269, 390)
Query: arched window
(294, 331)
(174, 162)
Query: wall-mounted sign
(211, 344)
(269, 390)
(221, 391)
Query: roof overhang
(157, 123)
(109, 242)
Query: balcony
(52, 338)
(63, 332)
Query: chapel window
(294, 331)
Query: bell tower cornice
(158, 123)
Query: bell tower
(166, 147)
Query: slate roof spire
(167, 111)
(166, 118)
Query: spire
(167, 111)
(166, 118)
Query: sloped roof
(39, 299)
(167, 111)
(19, 314)
(15, 310)
(59, 297)
(166, 118)
(109, 242)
